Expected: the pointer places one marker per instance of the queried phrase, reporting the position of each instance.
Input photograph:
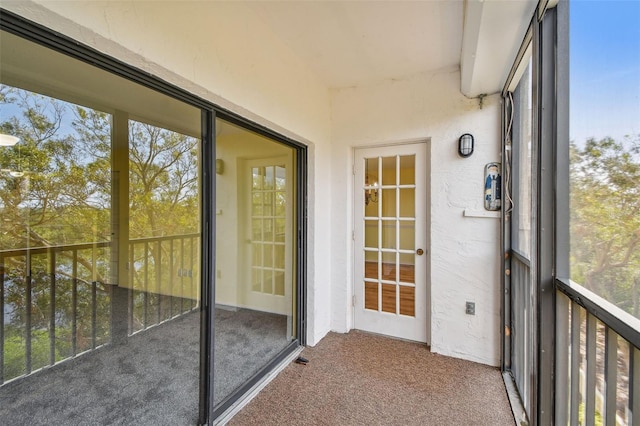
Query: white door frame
(426, 245)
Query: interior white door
(269, 228)
(390, 233)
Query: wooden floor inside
(407, 273)
(398, 298)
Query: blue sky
(605, 68)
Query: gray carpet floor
(364, 379)
(152, 380)
(245, 341)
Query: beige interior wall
(234, 148)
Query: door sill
(517, 408)
(224, 418)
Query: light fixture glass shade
(8, 140)
(465, 145)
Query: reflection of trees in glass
(163, 181)
(55, 190)
(49, 189)
(163, 201)
(605, 219)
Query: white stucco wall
(222, 52)
(464, 250)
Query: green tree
(605, 219)
(46, 190)
(48, 197)
(56, 190)
(163, 181)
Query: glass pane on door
(164, 232)
(389, 234)
(255, 293)
(99, 249)
(55, 255)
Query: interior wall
(232, 195)
(222, 52)
(464, 252)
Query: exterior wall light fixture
(465, 145)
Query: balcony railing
(56, 301)
(522, 327)
(597, 360)
(161, 292)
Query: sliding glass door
(100, 194)
(255, 311)
(120, 300)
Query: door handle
(419, 252)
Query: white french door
(390, 233)
(269, 244)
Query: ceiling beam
(493, 31)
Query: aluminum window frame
(550, 256)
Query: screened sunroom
(194, 194)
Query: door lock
(419, 252)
